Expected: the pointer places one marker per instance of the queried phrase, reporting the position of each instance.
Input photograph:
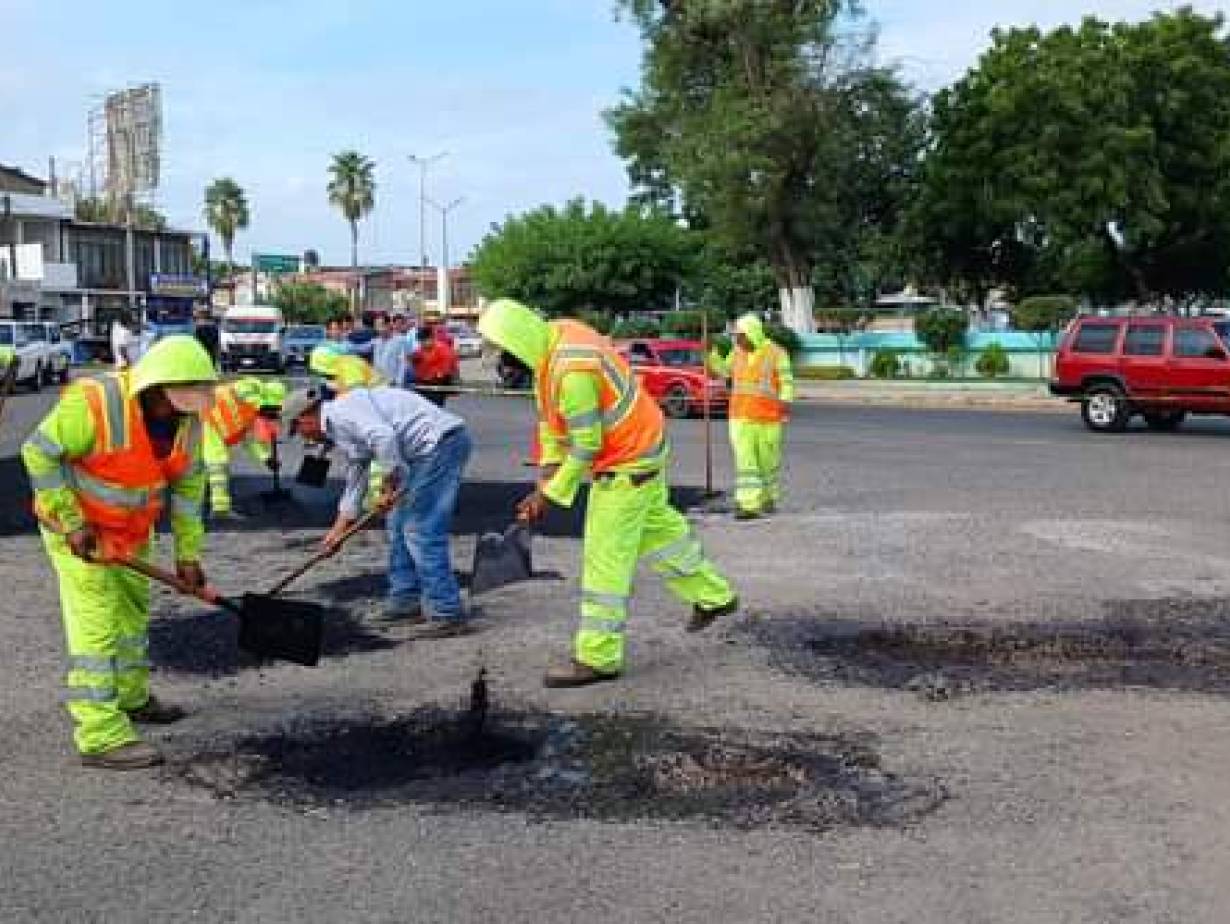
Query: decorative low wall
(1029, 355)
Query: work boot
(742, 514)
(770, 508)
(156, 712)
(400, 612)
(703, 618)
(135, 755)
(440, 628)
(574, 674)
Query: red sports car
(673, 371)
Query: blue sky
(267, 91)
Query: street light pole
(444, 278)
(423, 163)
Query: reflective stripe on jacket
(231, 416)
(756, 387)
(633, 428)
(119, 484)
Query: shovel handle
(360, 524)
(174, 581)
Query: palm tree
(226, 211)
(352, 188)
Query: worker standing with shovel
(596, 419)
(100, 464)
(423, 450)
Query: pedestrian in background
(124, 345)
(206, 331)
(391, 354)
(436, 364)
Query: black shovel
(502, 558)
(269, 627)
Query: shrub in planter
(993, 362)
(885, 364)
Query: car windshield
(249, 326)
(32, 333)
(681, 356)
(305, 333)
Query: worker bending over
(762, 387)
(99, 465)
(596, 419)
(423, 450)
(236, 417)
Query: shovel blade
(286, 630)
(501, 559)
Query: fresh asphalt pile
(609, 767)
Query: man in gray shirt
(424, 450)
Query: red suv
(673, 372)
(1158, 367)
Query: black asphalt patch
(605, 767)
(1171, 644)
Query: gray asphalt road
(1000, 607)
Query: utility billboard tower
(125, 134)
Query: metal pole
(704, 345)
(423, 163)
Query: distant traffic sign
(275, 263)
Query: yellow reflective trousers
(106, 625)
(626, 522)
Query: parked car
(39, 361)
(1158, 368)
(674, 374)
(466, 340)
(299, 340)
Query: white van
(251, 338)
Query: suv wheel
(1105, 409)
(677, 402)
(1165, 421)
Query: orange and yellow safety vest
(633, 428)
(756, 386)
(119, 485)
(231, 416)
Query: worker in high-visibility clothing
(762, 387)
(100, 464)
(236, 418)
(343, 372)
(594, 418)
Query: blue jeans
(420, 566)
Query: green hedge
(824, 373)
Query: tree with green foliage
(1092, 157)
(226, 212)
(586, 258)
(766, 126)
(352, 189)
(943, 332)
(308, 303)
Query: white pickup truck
(43, 355)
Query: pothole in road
(606, 767)
(1172, 644)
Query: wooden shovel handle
(360, 524)
(174, 581)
